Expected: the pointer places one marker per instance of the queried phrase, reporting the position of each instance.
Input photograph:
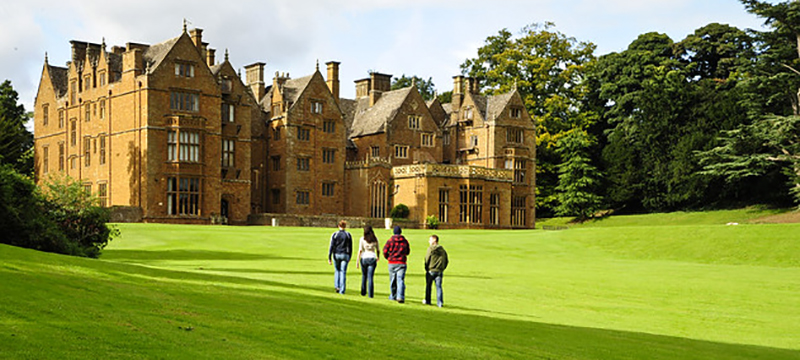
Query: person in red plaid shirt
(395, 251)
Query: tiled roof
(372, 120)
(215, 69)
(58, 77)
(496, 104)
(155, 54)
(293, 88)
(348, 107)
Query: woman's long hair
(369, 235)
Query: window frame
(401, 151)
(228, 157)
(184, 196)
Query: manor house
(173, 132)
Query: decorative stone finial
(317, 64)
(226, 54)
(515, 84)
(184, 25)
(45, 57)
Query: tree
(775, 86)
(756, 149)
(15, 140)
(772, 141)
(425, 87)
(578, 180)
(663, 101)
(549, 70)
(23, 219)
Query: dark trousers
(430, 278)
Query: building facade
(170, 130)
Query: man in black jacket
(341, 250)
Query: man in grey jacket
(435, 263)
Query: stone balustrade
(457, 171)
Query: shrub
(79, 216)
(23, 215)
(65, 220)
(432, 221)
(399, 212)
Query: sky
(427, 38)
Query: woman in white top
(367, 259)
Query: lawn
(686, 290)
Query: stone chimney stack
(471, 85)
(458, 93)
(210, 56)
(197, 37)
(379, 83)
(333, 79)
(254, 74)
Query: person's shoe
(425, 302)
(440, 305)
(401, 301)
(336, 289)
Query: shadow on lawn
(488, 336)
(147, 255)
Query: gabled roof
(495, 105)
(372, 120)
(58, 78)
(155, 54)
(293, 88)
(215, 69)
(489, 107)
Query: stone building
(167, 129)
(164, 128)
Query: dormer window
(468, 113)
(516, 113)
(184, 70)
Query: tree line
(709, 121)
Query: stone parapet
(452, 171)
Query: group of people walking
(395, 251)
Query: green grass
(720, 217)
(680, 291)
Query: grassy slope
(258, 292)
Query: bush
(23, 215)
(66, 220)
(79, 216)
(432, 221)
(399, 212)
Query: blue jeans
(430, 277)
(397, 277)
(340, 274)
(367, 275)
